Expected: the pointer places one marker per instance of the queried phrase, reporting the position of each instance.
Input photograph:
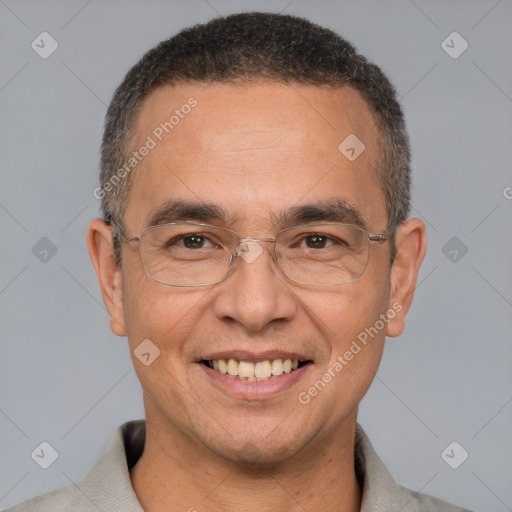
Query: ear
(99, 242)
(411, 244)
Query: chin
(257, 451)
(255, 458)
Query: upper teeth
(252, 371)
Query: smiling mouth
(252, 372)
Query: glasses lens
(186, 254)
(325, 254)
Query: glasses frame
(118, 234)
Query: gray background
(65, 379)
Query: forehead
(255, 149)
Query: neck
(176, 473)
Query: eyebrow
(172, 211)
(335, 210)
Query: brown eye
(316, 241)
(193, 241)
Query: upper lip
(245, 355)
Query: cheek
(353, 321)
(348, 321)
(163, 314)
(344, 313)
(167, 318)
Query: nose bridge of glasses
(249, 249)
(252, 239)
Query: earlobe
(99, 243)
(411, 243)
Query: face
(256, 152)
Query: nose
(254, 294)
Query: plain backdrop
(67, 380)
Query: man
(255, 250)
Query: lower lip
(257, 390)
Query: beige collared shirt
(106, 487)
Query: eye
(191, 241)
(194, 241)
(317, 241)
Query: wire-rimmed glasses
(190, 254)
